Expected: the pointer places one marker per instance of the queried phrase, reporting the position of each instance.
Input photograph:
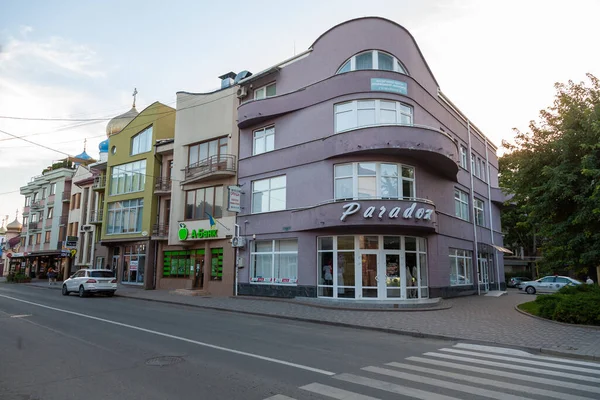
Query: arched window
(373, 59)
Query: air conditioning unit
(87, 228)
(238, 241)
(242, 92)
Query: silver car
(548, 284)
(88, 281)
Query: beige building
(83, 199)
(198, 253)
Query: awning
(14, 241)
(502, 249)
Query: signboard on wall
(234, 199)
(389, 85)
(133, 265)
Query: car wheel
(530, 290)
(65, 292)
(81, 291)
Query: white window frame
(262, 135)
(398, 66)
(482, 174)
(258, 96)
(268, 191)
(124, 207)
(52, 188)
(142, 142)
(133, 173)
(50, 212)
(378, 176)
(478, 210)
(461, 204)
(27, 201)
(466, 256)
(463, 157)
(402, 110)
(290, 281)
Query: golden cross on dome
(135, 92)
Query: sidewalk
(479, 319)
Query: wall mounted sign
(389, 85)
(186, 234)
(234, 199)
(409, 212)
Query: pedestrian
(51, 276)
(589, 281)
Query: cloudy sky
(497, 61)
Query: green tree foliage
(554, 173)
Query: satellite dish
(241, 75)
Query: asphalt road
(55, 347)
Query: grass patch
(530, 307)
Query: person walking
(51, 276)
(589, 281)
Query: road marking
(20, 316)
(505, 351)
(279, 397)
(445, 384)
(335, 393)
(212, 346)
(505, 374)
(476, 380)
(517, 367)
(524, 361)
(392, 387)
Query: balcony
(96, 216)
(64, 220)
(66, 197)
(33, 226)
(162, 186)
(99, 182)
(160, 231)
(210, 168)
(36, 205)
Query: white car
(548, 284)
(86, 281)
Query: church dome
(2, 230)
(119, 122)
(15, 225)
(103, 146)
(83, 156)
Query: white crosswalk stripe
(279, 397)
(467, 371)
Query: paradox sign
(409, 212)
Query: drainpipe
(490, 209)
(472, 209)
(235, 261)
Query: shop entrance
(484, 276)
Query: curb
(556, 322)
(416, 334)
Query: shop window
(371, 180)
(181, 263)
(216, 264)
(274, 261)
(372, 59)
(461, 204)
(461, 267)
(134, 264)
(363, 113)
(269, 194)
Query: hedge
(579, 304)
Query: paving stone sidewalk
(473, 318)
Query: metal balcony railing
(162, 184)
(33, 225)
(99, 182)
(210, 165)
(37, 204)
(96, 216)
(160, 230)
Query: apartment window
(50, 212)
(461, 204)
(372, 59)
(473, 167)
(142, 142)
(269, 194)
(31, 240)
(482, 175)
(201, 152)
(463, 157)
(274, 261)
(47, 238)
(265, 91)
(361, 113)
(35, 197)
(201, 203)
(128, 178)
(479, 214)
(34, 217)
(264, 140)
(366, 180)
(52, 189)
(125, 216)
(25, 221)
(43, 193)
(77, 201)
(461, 267)
(38, 238)
(27, 201)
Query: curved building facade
(360, 179)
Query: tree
(554, 173)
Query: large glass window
(142, 142)
(264, 140)
(461, 267)
(201, 203)
(360, 113)
(201, 152)
(461, 204)
(125, 216)
(366, 180)
(275, 261)
(478, 211)
(128, 178)
(463, 157)
(269, 194)
(372, 59)
(265, 91)
(134, 264)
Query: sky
(496, 60)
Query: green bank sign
(188, 234)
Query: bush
(579, 304)
(547, 304)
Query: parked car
(87, 281)
(547, 284)
(515, 281)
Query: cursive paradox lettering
(410, 212)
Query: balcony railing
(210, 165)
(99, 182)
(162, 185)
(66, 196)
(160, 230)
(37, 204)
(96, 216)
(33, 225)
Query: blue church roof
(83, 156)
(103, 146)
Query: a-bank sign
(413, 211)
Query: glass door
(369, 275)
(484, 274)
(391, 274)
